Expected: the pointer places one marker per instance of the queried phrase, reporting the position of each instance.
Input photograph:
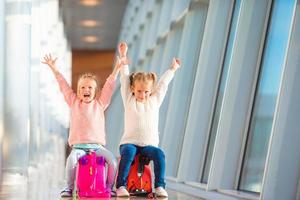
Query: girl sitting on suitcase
(87, 128)
(142, 99)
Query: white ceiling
(108, 13)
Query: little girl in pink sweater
(87, 122)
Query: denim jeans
(128, 152)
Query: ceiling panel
(108, 14)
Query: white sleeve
(162, 86)
(125, 83)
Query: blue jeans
(128, 152)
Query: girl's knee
(128, 157)
(73, 158)
(114, 163)
(160, 153)
(127, 152)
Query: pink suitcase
(91, 177)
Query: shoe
(113, 193)
(122, 198)
(122, 192)
(161, 192)
(66, 193)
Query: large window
(180, 96)
(215, 121)
(165, 17)
(266, 95)
(153, 30)
(167, 50)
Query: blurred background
(229, 124)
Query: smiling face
(142, 89)
(87, 89)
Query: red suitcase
(139, 182)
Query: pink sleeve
(66, 90)
(107, 91)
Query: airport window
(219, 99)
(266, 93)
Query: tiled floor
(10, 195)
(173, 195)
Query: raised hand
(175, 64)
(120, 62)
(124, 61)
(122, 49)
(48, 60)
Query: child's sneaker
(122, 192)
(66, 193)
(161, 192)
(113, 193)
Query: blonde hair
(91, 76)
(142, 76)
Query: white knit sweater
(141, 119)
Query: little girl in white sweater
(142, 98)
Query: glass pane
(153, 27)
(170, 48)
(266, 95)
(174, 130)
(215, 121)
(179, 7)
(165, 17)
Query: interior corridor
(228, 123)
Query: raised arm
(109, 86)
(162, 86)
(66, 90)
(124, 78)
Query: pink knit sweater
(87, 122)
